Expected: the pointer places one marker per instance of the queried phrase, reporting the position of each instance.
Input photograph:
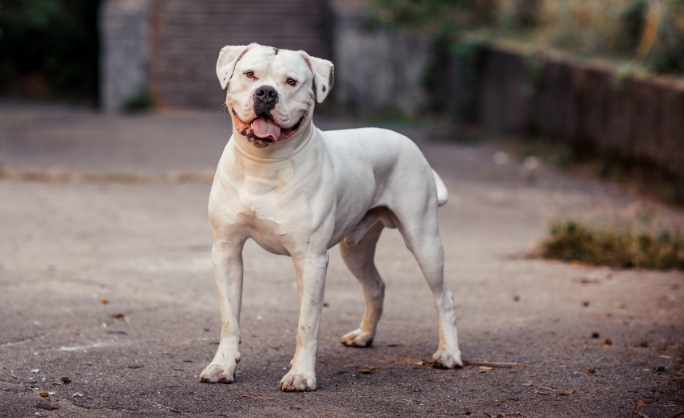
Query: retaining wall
(639, 119)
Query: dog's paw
(357, 338)
(218, 373)
(298, 382)
(447, 359)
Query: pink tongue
(264, 128)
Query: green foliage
(624, 244)
(650, 33)
(451, 55)
(55, 39)
(534, 69)
(425, 14)
(139, 103)
(439, 59)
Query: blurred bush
(433, 15)
(49, 48)
(648, 32)
(624, 244)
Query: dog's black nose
(265, 99)
(266, 94)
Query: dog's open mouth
(263, 131)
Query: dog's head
(271, 92)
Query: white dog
(298, 191)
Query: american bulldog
(299, 191)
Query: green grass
(623, 244)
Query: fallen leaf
(117, 315)
(540, 392)
(528, 383)
(260, 398)
(46, 406)
(367, 369)
(419, 363)
(608, 341)
(558, 391)
(65, 380)
(484, 369)
(43, 394)
(105, 301)
(641, 403)
(77, 395)
(592, 370)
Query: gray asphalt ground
(98, 208)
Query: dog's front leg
(227, 265)
(311, 270)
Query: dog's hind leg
(359, 259)
(422, 239)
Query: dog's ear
(324, 76)
(228, 58)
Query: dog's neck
(279, 151)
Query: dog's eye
(249, 74)
(291, 82)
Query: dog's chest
(274, 214)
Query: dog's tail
(442, 193)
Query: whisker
(222, 109)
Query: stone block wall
(188, 35)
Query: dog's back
(385, 151)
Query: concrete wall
(378, 70)
(125, 33)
